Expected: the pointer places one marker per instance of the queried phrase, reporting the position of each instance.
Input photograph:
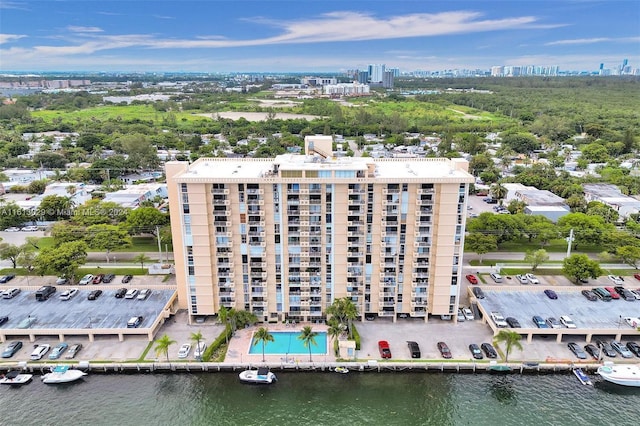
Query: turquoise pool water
(287, 342)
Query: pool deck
(238, 351)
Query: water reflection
(502, 389)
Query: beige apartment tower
(284, 237)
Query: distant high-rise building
(363, 77)
(387, 80)
(376, 73)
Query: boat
(14, 377)
(341, 370)
(582, 376)
(623, 375)
(260, 376)
(62, 374)
(497, 368)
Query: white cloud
(594, 40)
(79, 29)
(6, 38)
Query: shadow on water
(502, 389)
(614, 389)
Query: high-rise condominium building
(284, 237)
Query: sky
(313, 35)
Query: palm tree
(511, 339)
(498, 191)
(196, 337)
(308, 337)
(262, 335)
(162, 346)
(223, 316)
(335, 329)
(141, 259)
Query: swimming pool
(287, 342)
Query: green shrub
(356, 336)
(220, 340)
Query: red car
(98, 278)
(614, 294)
(383, 346)
(472, 279)
(636, 276)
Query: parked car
(591, 296)
(489, 350)
(606, 348)
(633, 322)
(86, 279)
(551, 294)
(62, 281)
(383, 347)
(592, 350)
(68, 294)
(522, 279)
(97, 279)
(499, 320)
(616, 279)
(144, 293)
(200, 348)
(444, 350)
(58, 350)
(478, 293)
(539, 322)
(612, 293)
(414, 349)
(634, 348)
(12, 229)
(6, 278)
(39, 352)
(120, 293)
(460, 315)
(184, 350)
(577, 350)
(636, 276)
(134, 322)
(30, 228)
(513, 323)
(73, 350)
(108, 278)
(532, 278)
(468, 314)
(621, 349)
(11, 293)
(603, 294)
(625, 294)
(496, 277)
(126, 279)
(131, 293)
(11, 350)
(94, 294)
(475, 351)
(3, 319)
(472, 279)
(567, 321)
(553, 322)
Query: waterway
(322, 398)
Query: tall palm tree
(511, 339)
(197, 338)
(335, 329)
(308, 337)
(162, 346)
(223, 316)
(141, 258)
(262, 335)
(498, 191)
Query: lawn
(554, 246)
(113, 112)
(140, 244)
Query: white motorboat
(260, 376)
(620, 374)
(582, 376)
(62, 374)
(341, 370)
(14, 377)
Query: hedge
(222, 339)
(356, 336)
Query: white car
(567, 322)
(39, 352)
(523, 279)
(87, 279)
(12, 229)
(532, 279)
(184, 350)
(632, 321)
(460, 316)
(200, 348)
(68, 294)
(468, 314)
(499, 320)
(131, 293)
(617, 280)
(30, 228)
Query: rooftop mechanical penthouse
(284, 237)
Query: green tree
(162, 346)
(587, 229)
(63, 260)
(629, 255)
(56, 207)
(10, 252)
(262, 336)
(345, 311)
(308, 337)
(510, 339)
(64, 232)
(480, 244)
(37, 187)
(536, 258)
(498, 191)
(335, 329)
(95, 212)
(196, 337)
(144, 220)
(580, 267)
(141, 258)
(107, 238)
(223, 316)
(523, 143)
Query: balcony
(219, 191)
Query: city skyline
(305, 36)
